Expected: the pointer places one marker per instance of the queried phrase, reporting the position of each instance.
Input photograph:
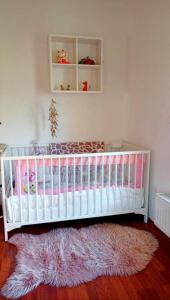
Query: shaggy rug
(68, 256)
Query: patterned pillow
(76, 147)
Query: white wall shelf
(63, 65)
(70, 76)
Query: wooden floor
(151, 284)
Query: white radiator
(162, 213)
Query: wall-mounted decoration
(53, 118)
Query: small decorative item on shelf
(63, 89)
(85, 86)
(87, 61)
(62, 57)
(53, 118)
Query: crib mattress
(92, 202)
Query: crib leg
(6, 236)
(5, 233)
(146, 217)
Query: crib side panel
(43, 189)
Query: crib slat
(129, 171)
(141, 175)
(74, 184)
(95, 185)
(109, 183)
(11, 178)
(102, 186)
(36, 189)
(122, 183)
(59, 185)
(44, 206)
(116, 170)
(129, 177)
(66, 187)
(3, 174)
(115, 189)
(28, 192)
(88, 184)
(81, 179)
(123, 204)
(123, 170)
(135, 170)
(146, 183)
(20, 189)
(52, 189)
(12, 191)
(43, 161)
(135, 179)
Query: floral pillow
(76, 147)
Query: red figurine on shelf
(87, 61)
(85, 85)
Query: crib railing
(65, 177)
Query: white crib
(38, 187)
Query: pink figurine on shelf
(85, 85)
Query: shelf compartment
(63, 76)
(68, 44)
(92, 76)
(91, 48)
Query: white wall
(24, 78)
(148, 121)
(140, 68)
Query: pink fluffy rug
(68, 256)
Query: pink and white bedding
(87, 203)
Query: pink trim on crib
(118, 159)
(99, 160)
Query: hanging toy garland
(53, 118)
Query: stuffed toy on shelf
(87, 61)
(62, 57)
